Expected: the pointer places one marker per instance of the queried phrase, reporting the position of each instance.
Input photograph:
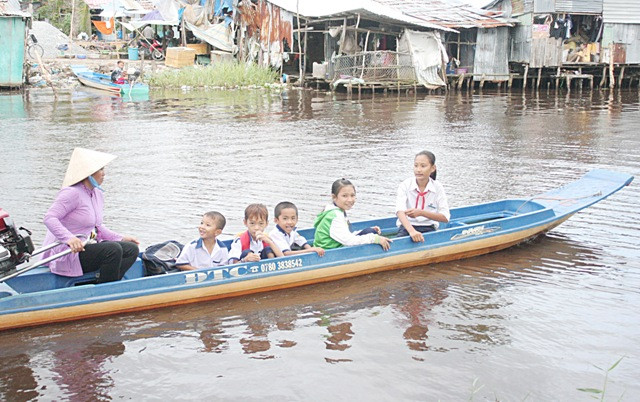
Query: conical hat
(84, 163)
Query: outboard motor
(15, 248)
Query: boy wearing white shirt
(206, 251)
(285, 234)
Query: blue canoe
(39, 297)
(103, 82)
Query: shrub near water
(226, 75)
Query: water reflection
(533, 312)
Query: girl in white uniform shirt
(421, 203)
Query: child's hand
(318, 250)
(413, 212)
(417, 236)
(261, 236)
(251, 257)
(384, 243)
(377, 229)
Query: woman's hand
(377, 229)
(75, 245)
(416, 236)
(131, 239)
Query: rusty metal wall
(624, 34)
(492, 54)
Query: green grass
(222, 75)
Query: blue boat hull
(103, 82)
(39, 297)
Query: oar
(46, 260)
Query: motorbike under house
(150, 48)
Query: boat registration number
(242, 270)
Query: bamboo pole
(364, 53)
(304, 60)
(300, 55)
(73, 14)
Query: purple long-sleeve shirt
(76, 210)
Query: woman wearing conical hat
(77, 210)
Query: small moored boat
(103, 82)
(40, 297)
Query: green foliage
(223, 75)
(57, 12)
(597, 391)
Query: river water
(531, 322)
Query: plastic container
(133, 53)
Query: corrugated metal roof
(345, 8)
(449, 13)
(12, 8)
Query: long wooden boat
(103, 82)
(40, 297)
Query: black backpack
(161, 258)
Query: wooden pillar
(539, 78)
(482, 81)
(604, 77)
(621, 76)
(557, 77)
(526, 72)
(612, 80)
(510, 81)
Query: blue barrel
(133, 53)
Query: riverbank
(57, 74)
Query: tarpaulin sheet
(427, 55)
(217, 35)
(105, 27)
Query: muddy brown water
(529, 323)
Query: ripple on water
(541, 313)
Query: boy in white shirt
(285, 234)
(206, 251)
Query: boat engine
(15, 248)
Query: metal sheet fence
(377, 66)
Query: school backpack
(161, 258)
